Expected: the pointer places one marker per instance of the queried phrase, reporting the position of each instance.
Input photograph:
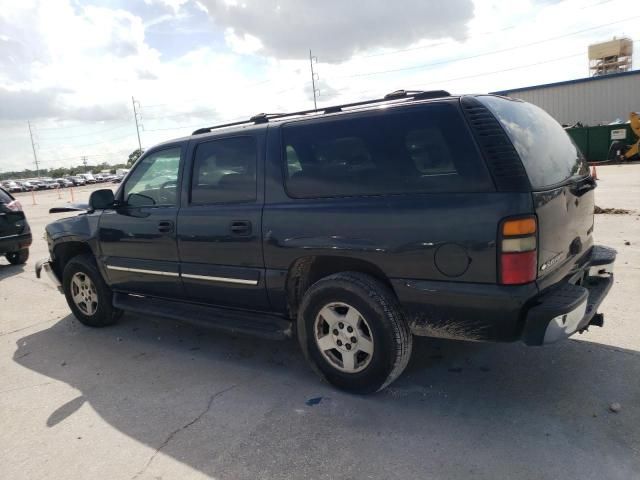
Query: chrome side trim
(240, 281)
(141, 270)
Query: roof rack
(409, 95)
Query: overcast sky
(71, 66)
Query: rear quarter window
(424, 149)
(548, 153)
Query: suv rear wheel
(19, 257)
(87, 294)
(352, 332)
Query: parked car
(11, 186)
(117, 179)
(64, 183)
(29, 186)
(352, 228)
(51, 184)
(15, 234)
(88, 178)
(77, 181)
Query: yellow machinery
(634, 120)
(622, 151)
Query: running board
(258, 324)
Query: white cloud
(289, 28)
(74, 68)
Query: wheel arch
(305, 271)
(65, 251)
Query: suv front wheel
(87, 294)
(352, 332)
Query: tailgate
(565, 227)
(11, 222)
(561, 186)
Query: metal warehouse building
(591, 101)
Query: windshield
(549, 155)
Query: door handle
(241, 227)
(165, 226)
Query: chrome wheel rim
(84, 293)
(344, 337)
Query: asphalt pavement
(150, 398)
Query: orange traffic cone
(594, 173)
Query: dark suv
(15, 234)
(352, 227)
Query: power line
(91, 144)
(502, 50)
(86, 134)
(449, 42)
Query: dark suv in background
(353, 228)
(15, 234)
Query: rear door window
(549, 155)
(424, 149)
(224, 171)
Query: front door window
(154, 182)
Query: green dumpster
(594, 142)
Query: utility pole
(135, 116)
(313, 79)
(84, 162)
(33, 147)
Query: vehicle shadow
(246, 408)
(7, 270)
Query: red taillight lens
(518, 268)
(14, 206)
(518, 263)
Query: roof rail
(397, 95)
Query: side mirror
(101, 199)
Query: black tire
(18, 258)
(378, 305)
(105, 314)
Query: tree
(133, 156)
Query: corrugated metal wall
(590, 102)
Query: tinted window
(224, 171)
(426, 149)
(5, 197)
(547, 152)
(154, 181)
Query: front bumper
(46, 266)
(571, 308)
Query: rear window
(5, 197)
(547, 152)
(425, 150)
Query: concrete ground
(151, 399)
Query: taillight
(14, 206)
(518, 250)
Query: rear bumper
(45, 265)
(491, 312)
(571, 308)
(13, 243)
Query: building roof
(570, 82)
